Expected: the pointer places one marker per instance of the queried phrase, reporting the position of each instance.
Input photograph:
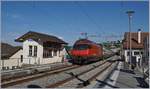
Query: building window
(55, 52)
(128, 53)
(21, 58)
(136, 53)
(47, 53)
(44, 54)
(30, 50)
(35, 51)
(50, 53)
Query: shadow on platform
(103, 83)
(127, 71)
(33, 86)
(142, 82)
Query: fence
(13, 63)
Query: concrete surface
(123, 77)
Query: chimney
(139, 36)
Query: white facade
(16, 61)
(39, 59)
(32, 59)
(135, 52)
(13, 61)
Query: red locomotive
(85, 51)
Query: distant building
(137, 44)
(11, 56)
(41, 48)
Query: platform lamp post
(130, 16)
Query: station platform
(123, 77)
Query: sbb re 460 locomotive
(85, 51)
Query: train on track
(86, 51)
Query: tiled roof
(8, 50)
(134, 40)
(40, 36)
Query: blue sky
(68, 19)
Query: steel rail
(54, 85)
(35, 71)
(40, 75)
(94, 76)
(36, 76)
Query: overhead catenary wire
(87, 15)
(95, 23)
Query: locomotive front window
(81, 47)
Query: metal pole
(130, 38)
(130, 44)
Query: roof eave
(18, 40)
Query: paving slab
(126, 78)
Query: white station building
(41, 48)
(38, 48)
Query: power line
(87, 15)
(92, 20)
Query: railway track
(109, 68)
(40, 75)
(82, 82)
(14, 74)
(14, 81)
(59, 77)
